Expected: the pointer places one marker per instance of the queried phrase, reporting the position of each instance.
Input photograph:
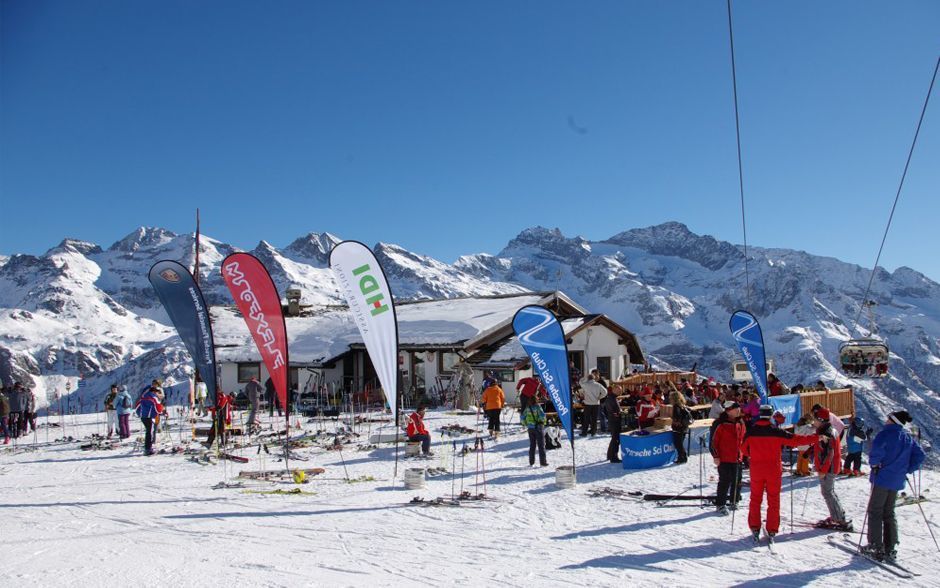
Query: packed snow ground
(93, 518)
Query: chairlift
(864, 358)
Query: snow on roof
(331, 332)
(512, 350)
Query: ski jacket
(123, 403)
(646, 410)
(751, 410)
(533, 416)
(727, 438)
(224, 403)
(530, 387)
(493, 397)
(109, 400)
(17, 400)
(593, 392)
(201, 391)
(762, 444)
(827, 458)
(416, 425)
(149, 405)
(253, 390)
(894, 454)
(681, 418)
(612, 407)
(855, 439)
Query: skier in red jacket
(763, 444)
(417, 432)
(727, 435)
(827, 459)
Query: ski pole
(926, 522)
(463, 459)
(345, 471)
(453, 471)
(865, 520)
(791, 490)
(805, 496)
(734, 495)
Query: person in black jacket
(611, 407)
(681, 421)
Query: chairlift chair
(864, 358)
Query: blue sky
(447, 127)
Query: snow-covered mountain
(83, 309)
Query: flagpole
(192, 388)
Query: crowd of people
(871, 364)
(17, 411)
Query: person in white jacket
(592, 392)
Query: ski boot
(755, 535)
(872, 552)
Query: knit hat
(901, 417)
(822, 414)
(766, 410)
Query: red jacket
(531, 387)
(763, 443)
(416, 425)
(827, 452)
(727, 440)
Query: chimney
(293, 301)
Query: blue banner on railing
(641, 452)
(750, 340)
(183, 301)
(543, 339)
(789, 406)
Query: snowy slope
(76, 519)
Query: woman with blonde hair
(681, 421)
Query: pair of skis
(846, 544)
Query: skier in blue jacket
(854, 445)
(894, 455)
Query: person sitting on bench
(417, 431)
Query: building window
(578, 358)
(603, 366)
(247, 371)
(447, 362)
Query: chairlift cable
(896, 196)
(737, 130)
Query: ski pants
(425, 440)
(537, 440)
(729, 483)
(124, 425)
(613, 450)
(148, 434)
(603, 416)
(678, 440)
(253, 415)
(31, 419)
(761, 483)
(853, 462)
(882, 524)
(493, 416)
(3, 425)
(827, 485)
(112, 421)
(589, 419)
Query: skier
(123, 407)
(827, 460)
(109, 409)
(762, 444)
(200, 393)
(803, 427)
(592, 392)
(17, 410)
(493, 401)
(611, 406)
(530, 389)
(533, 417)
(727, 435)
(222, 416)
(854, 445)
(894, 454)
(4, 415)
(253, 390)
(837, 424)
(148, 407)
(417, 432)
(681, 421)
(646, 410)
